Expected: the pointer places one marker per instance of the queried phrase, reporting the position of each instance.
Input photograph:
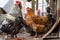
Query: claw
(35, 35)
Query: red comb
(19, 3)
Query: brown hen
(37, 23)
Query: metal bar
(33, 5)
(36, 4)
(42, 7)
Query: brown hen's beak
(27, 8)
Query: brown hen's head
(29, 9)
(29, 12)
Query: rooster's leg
(36, 35)
(15, 36)
(6, 37)
(12, 36)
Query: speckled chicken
(14, 21)
(13, 27)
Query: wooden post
(52, 5)
(58, 3)
(33, 5)
(47, 1)
(58, 12)
(42, 7)
(58, 9)
(36, 4)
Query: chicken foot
(15, 36)
(35, 35)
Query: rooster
(14, 19)
(36, 23)
(13, 27)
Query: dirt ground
(24, 36)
